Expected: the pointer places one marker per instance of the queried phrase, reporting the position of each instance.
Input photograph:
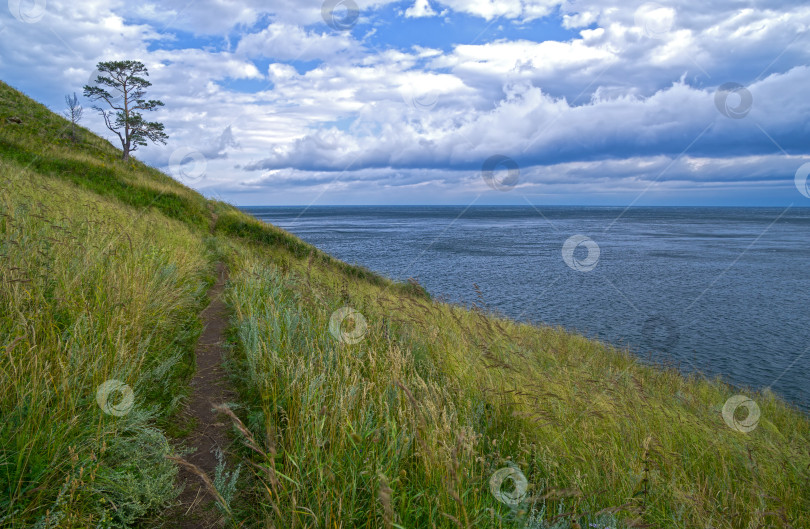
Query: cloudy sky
(448, 101)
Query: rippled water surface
(723, 291)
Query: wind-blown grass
(90, 291)
(407, 427)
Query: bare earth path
(208, 388)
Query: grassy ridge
(103, 270)
(234, 224)
(41, 144)
(407, 426)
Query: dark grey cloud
(535, 129)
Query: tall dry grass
(407, 427)
(90, 290)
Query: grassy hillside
(399, 417)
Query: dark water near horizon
(722, 291)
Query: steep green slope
(98, 282)
(399, 421)
(103, 271)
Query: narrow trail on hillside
(209, 436)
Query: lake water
(722, 291)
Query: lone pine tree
(121, 85)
